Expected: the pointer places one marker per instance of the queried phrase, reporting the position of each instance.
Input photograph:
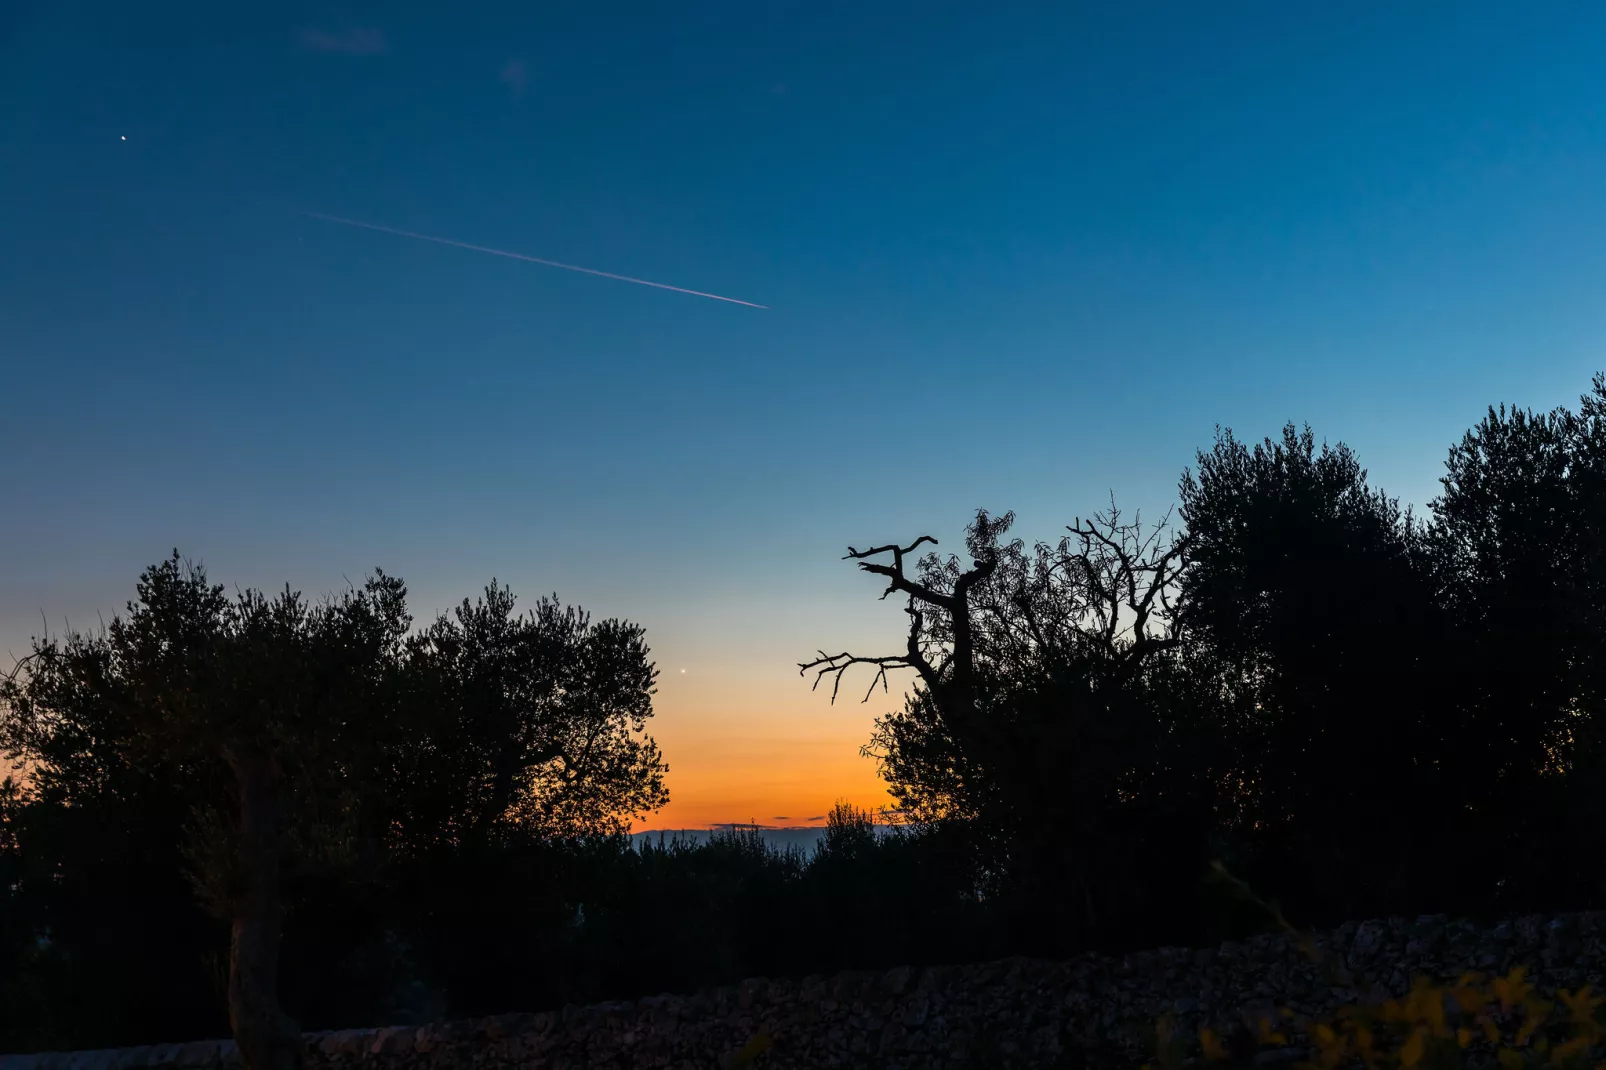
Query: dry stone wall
(1087, 1012)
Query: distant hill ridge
(780, 837)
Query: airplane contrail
(531, 259)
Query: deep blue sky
(1016, 256)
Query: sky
(1013, 256)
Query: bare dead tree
(1029, 658)
(1102, 597)
(947, 669)
(1131, 576)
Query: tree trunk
(266, 1037)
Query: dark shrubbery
(1361, 712)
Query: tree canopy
(1359, 710)
(257, 733)
(1366, 711)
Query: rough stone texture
(1090, 1011)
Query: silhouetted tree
(1361, 713)
(1520, 539)
(533, 723)
(1032, 716)
(225, 737)
(527, 728)
(268, 704)
(1313, 592)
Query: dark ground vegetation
(1360, 711)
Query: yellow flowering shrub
(1475, 1022)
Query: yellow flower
(1427, 1004)
(1513, 988)
(1411, 1051)
(1566, 1051)
(1581, 1004)
(1469, 986)
(1363, 1046)
(1536, 1013)
(1468, 998)
(1211, 1045)
(1463, 1036)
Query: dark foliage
(253, 756)
(1364, 712)
(1360, 711)
(1311, 594)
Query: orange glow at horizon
(752, 752)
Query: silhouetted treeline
(1359, 711)
(531, 923)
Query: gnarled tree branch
(951, 681)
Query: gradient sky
(1016, 256)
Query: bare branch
(1163, 571)
(890, 548)
(896, 579)
(18, 665)
(834, 665)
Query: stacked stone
(1090, 1011)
